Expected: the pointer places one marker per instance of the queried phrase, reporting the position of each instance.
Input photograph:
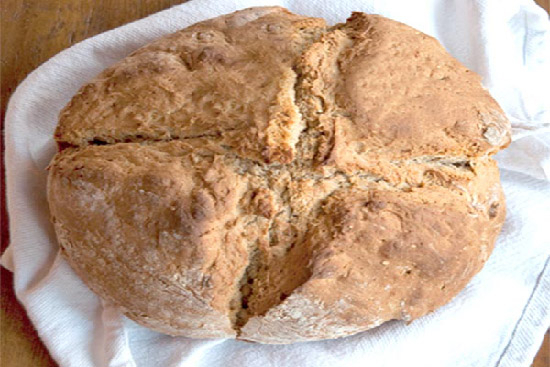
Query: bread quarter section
(158, 230)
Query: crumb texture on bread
(263, 176)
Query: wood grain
(32, 31)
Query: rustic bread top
(263, 176)
(384, 85)
(232, 76)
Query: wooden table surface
(32, 31)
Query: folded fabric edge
(7, 259)
(114, 337)
(528, 334)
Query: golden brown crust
(155, 229)
(386, 91)
(231, 76)
(264, 177)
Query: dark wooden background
(32, 31)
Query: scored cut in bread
(266, 177)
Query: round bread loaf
(265, 177)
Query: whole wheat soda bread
(263, 176)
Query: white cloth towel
(498, 320)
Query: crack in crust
(291, 178)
